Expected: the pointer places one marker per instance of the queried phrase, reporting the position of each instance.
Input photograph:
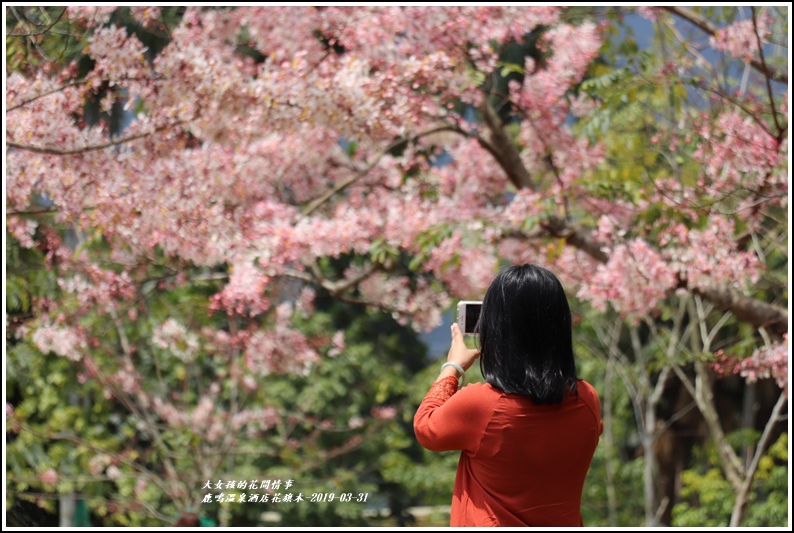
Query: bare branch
(768, 82)
(42, 32)
(745, 308)
(741, 498)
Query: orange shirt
(521, 464)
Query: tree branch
(768, 83)
(503, 148)
(57, 151)
(745, 308)
(706, 25)
(341, 186)
(335, 287)
(60, 88)
(42, 32)
(741, 498)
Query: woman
(528, 434)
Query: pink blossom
(98, 463)
(421, 306)
(91, 15)
(338, 344)
(113, 472)
(245, 292)
(737, 153)
(65, 342)
(709, 255)
(525, 204)
(249, 383)
(217, 430)
(202, 414)
(384, 412)
(176, 340)
(49, 477)
(633, 281)
(306, 300)
(283, 350)
(168, 412)
(146, 15)
(140, 486)
(649, 12)
(22, 230)
(117, 54)
(739, 38)
(768, 361)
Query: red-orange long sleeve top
(521, 464)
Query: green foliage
(708, 497)
(327, 440)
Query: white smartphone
(469, 315)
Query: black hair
(525, 335)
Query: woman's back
(527, 436)
(522, 464)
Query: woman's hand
(459, 352)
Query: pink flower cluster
(709, 255)
(384, 412)
(176, 339)
(420, 306)
(95, 287)
(146, 15)
(768, 361)
(245, 292)
(117, 54)
(337, 344)
(64, 341)
(738, 154)
(22, 229)
(280, 350)
(128, 379)
(574, 47)
(739, 38)
(49, 477)
(473, 178)
(649, 12)
(90, 15)
(634, 281)
(465, 271)
(525, 204)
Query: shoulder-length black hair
(525, 335)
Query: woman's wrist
(450, 369)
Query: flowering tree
(391, 157)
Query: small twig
(766, 78)
(317, 202)
(72, 151)
(42, 32)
